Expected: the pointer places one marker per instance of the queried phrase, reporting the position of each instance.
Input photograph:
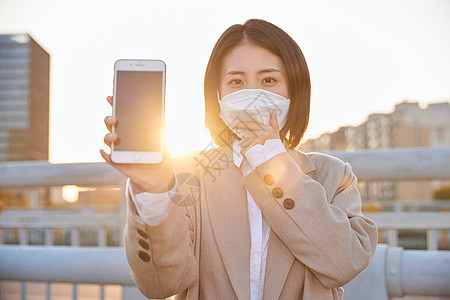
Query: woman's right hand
(152, 178)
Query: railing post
(1, 243)
(23, 290)
(123, 209)
(48, 291)
(74, 237)
(49, 240)
(23, 241)
(74, 242)
(398, 207)
(444, 232)
(432, 240)
(101, 237)
(101, 232)
(75, 291)
(393, 272)
(392, 237)
(49, 237)
(444, 238)
(102, 292)
(23, 236)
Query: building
(24, 99)
(408, 126)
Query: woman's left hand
(254, 133)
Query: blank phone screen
(139, 110)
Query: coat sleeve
(161, 257)
(320, 223)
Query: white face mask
(253, 105)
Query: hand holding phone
(151, 177)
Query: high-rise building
(24, 99)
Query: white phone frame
(138, 157)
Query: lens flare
(70, 193)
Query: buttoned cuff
(153, 208)
(259, 154)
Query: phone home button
(137, 157)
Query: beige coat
(319, 239)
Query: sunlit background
(364, 56)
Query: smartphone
(138, 105)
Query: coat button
(288, 203)
(142, 233)
(144, 244)
(144, 256)
(277, 192)
(268, 179)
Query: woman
(268, 221)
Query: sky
(363, 57)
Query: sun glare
(185, 138)
(70, 193)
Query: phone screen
(138, 110)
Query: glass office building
(24, 99)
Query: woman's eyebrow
(269, 70)
(235, 73)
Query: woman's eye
(236, 82)
(269, 80)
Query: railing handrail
(391, 164)
(399, 270)
(67, 219)
(57, 219)
(411, 220)
(100, 265)
(44, 173)
(398, 163)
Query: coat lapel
(279, 262)
(227, 207)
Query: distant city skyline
(364, 57)
(434, 116)
(408, 126)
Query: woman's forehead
(250, 58)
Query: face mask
(253, 105)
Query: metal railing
(401, 268)
(395, 272)
(71, 223)
(435, 225)
(368, 165)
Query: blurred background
(380, 73)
